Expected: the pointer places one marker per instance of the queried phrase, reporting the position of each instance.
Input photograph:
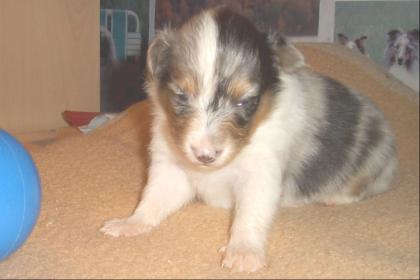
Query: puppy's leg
(256, 204)
(166, 191)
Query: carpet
(87, 179)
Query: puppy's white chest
(214, 188)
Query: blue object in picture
(20, 194)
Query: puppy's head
(214, 81)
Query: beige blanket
(87, 179)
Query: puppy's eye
(181, 98)
(246, 102)
(245, 109)
(180, 101)
(178, 91)
(241, 103)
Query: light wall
(49, 61)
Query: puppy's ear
(288, 57)
(342, 39)
(393, 35)
(413, 35)
(159, 52)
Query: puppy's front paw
(124, 227)
(241, 258)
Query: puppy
(239, 122)
(402, 56)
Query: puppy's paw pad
(243, 259)
(124, 227)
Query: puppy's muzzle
(205, 155)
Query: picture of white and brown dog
(240, 122)
(402, 56)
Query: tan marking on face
(176, 138)
(236, 135)
(239, 87)
(175, 128)
(241, 136)
(187, 83)
(178, 125)
(264, 110)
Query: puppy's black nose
(400, 61)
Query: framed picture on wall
(300, 20)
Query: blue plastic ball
(20, 194)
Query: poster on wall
(293, 18)
(300, 20)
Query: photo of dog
(402, 56)
(357, 44)
(240, 122)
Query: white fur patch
(207, 36)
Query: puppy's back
(346, 151)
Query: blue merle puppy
(240, 122)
